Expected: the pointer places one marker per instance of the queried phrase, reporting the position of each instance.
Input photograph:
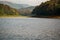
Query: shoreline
(14, 17)
(56, 17)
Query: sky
(29, 2)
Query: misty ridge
(48, 9)
(8, 8)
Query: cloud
(30, 2)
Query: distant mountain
(26, 11)
(28, 8)
(14, 5)
(6, 10)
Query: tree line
(49, 8)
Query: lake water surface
(29, 29)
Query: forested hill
(47, 9)
(6, 10)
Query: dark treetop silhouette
(47, 9)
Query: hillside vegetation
(5, 10)
(47, 9)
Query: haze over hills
(14, 5)
(23, 9)
(30, 7)
(26, 11)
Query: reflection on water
(29, 29)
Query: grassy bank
(13, 16)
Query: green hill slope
(6, 10)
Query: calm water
(29, 29)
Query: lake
(29, 29)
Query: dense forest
(47, 9)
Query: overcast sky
(30, 2)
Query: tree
(49, 8)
